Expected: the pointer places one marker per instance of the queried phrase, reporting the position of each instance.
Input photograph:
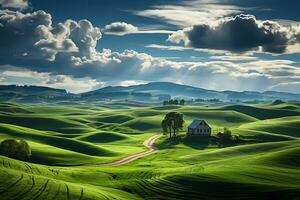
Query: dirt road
(149, 143)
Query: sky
(240, 45)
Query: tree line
(174, 102)
(208, 100)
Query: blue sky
(214, 44)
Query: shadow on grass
(196, 142)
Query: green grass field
(67, 142)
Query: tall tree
(165, 126)
(172, 122)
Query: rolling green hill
(69, 141)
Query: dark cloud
(240, 33)
(18, 33)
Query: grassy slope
(265, 168)
(70, 135)
(262, 112)
(29, 181)
(288, 126)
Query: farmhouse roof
(196, 123)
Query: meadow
(69, 142)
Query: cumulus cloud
(119, 28)
(251, 75)
(130, 67)
(18, 32)
(71, 84)
(21, 76)
(16, 4)
(32, 35)
(240, 34)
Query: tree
(14, 149)
(172, 122)
(9, 148)
(182, 102)
(24, 151)
(165, 126)
(227, 137)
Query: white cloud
(119, 28)
(183, 48)
(155, 32)
(168, 47)
(35, 33)
(234, 57)
(187, 13)
(127, 83)
(16, 4)
(13, 75)
(73, 84)
(130, 67)
(123, 28)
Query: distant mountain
(32, 90)
(165, 90)
(153, 91)
(33, 94)
(150, 92)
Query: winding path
(149, 143)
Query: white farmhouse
(199, 127)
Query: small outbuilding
(199, 127)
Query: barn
(199, 127)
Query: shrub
(227, 138)
(277, 102)
(14, 149)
